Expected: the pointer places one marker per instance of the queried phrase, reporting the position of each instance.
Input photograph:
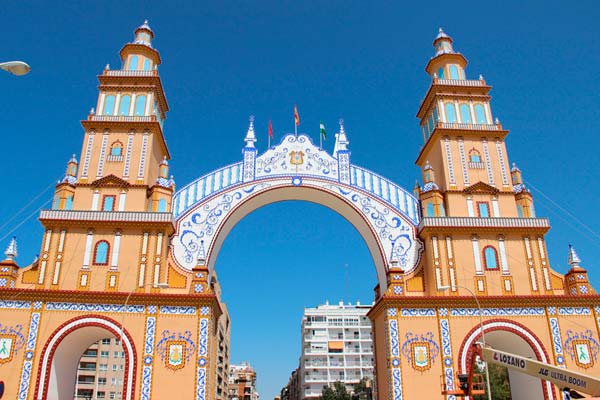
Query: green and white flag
(323, 133)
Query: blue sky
(362, 61)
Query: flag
(323, 133)
(270, 129)
(296, 116)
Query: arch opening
(60, 359)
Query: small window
(101, 254)
(484, 209)
(520, 210)
(56, 203)
(480, 114)
(442, 210)
(450, 113)
(105, 341)
(140, 105)
(109, 105)
(125, 104)
(101, 381)
(465, 114)
(453, 72)
(108, 203)
(133, 63)
(490, 257)
(162, 205)
(104, 354)
(430, 210)
(116, 149)
(474, 156)
(146, 65)
(441, 73)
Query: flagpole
(320, 140)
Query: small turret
(515, 174)
(576, 280)
(143, 34)
(9, 268)
(11, 251)
(341, 140)
(250, 138)
(446, 63)
(140, 55)
(71, 173)
(164, 168)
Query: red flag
(270, 129)
(296, 116)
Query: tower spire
(11, 251)
(573, 260)
(250, 135)
(341, 140)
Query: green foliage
(498, 381)
(338, 392)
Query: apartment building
(337, 345)
(100, 371)
(242, 382)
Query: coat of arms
(6, 348)
(176, 348)
(420, 351)
(296, 157)
(176, 354)
(582, 353)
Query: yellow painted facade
(106, 267)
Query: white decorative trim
(470, 209)
(143, 155)
(488, 162)
(103, 146)
(502, 162)
(128, 152)
(87, 255)
(447, 359)
(122, 199)
(476, 255)
(498, 312)
(88, 154)
(449, 161)
(503, 257)
(463, 160)
(417, 312)
(115, 253)
(34, 325)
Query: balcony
(459, 82)
(122, 118)
(470, 127)
(107, 216)
(475, 222)
(121, 72)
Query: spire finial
(341, 140)
(573, 260)
(11, 251)
(341, 121)
(250, 135)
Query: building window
(441, 73)
(490, 257)
(116, 354)
(162, 205)
(484, 209)
(101, 381)
(108, 203)
(453, 72)
(520, 210)
(116, 149)
(480, 114)
(140, 105)
(103, 367)
(146, 64)
(474, 156)
(450, 113)
(101, 256)
(114, 367)
(105, 341)
(465, 113)
(133, 62)
(429, 210)
(125, 104)
(104, 354)
(109, 105)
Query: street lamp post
(487, 372)
(15, 67)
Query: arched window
(101, 253)
(125, 104)
(454, 72)
(490, 257)
(109, 105)
(69, 203)
(429, 210)
(133, 62)
(116, 149)
(140, 105)
(147, 64)
(450, 113)
(465, 114)
(474, 156)
(162, 205)
(480, 114)
(441, 73)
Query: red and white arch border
(94, 320)
(508, 326)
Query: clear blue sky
(359, 60)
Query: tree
(338, 392)
(498, 381)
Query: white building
(337, 345)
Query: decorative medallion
(582, 347)
(420, 350)
(11, 341)
(176, 349)
(296, 157)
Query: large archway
(385, 214)
(514, 338)
(57, 371)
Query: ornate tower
(496, 245)
(119, 192)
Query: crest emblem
(420, 351)
(6, 348)
(582, 347)
(296, 158)
(583, 353)
(176, 354)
